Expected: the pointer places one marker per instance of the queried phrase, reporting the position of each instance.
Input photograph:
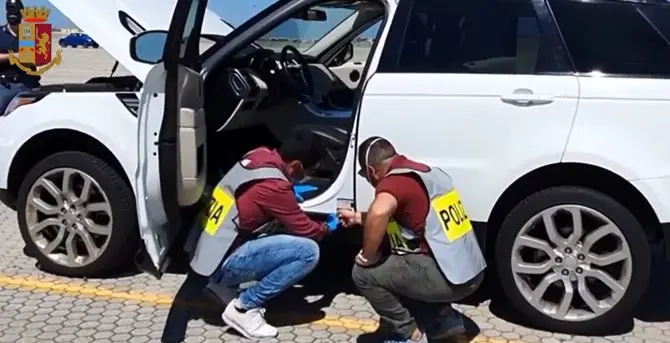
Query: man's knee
(361, 276)
(308, 250)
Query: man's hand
(348, 217)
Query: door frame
(176, 53)
(158, 145)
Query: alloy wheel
(69, 217)
(571, 263)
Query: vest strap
(403, 241)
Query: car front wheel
(572, 260)
(77, 215)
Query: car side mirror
(147, 47)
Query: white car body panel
(622, 126)
(151, 214)
(657, 193)
(102, 116)
(467, 129)
(100, 20)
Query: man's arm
(278, 202)
(375, 221)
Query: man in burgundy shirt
(277, 260)
(410, 271)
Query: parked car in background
(77, 39)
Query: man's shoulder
(5, 33)
(7, 40)
(398, 184)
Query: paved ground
(37, 307)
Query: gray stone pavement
(38, 307)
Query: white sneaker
(251, 323)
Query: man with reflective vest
(256, 231)
(434, 255)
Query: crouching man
(435, 258)
(256, 231)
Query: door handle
(526, 97)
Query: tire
(109, 188)
(584, 201)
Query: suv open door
(171, 169)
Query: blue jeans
(7, 93)
(277, 262)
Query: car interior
(264, 92)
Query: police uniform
(451, 270)
(448, 230)
(220, 228)
(12, 79)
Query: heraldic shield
(35, 41)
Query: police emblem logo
(35, 56)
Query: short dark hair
(376, 149)
(304, 146)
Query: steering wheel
(295, 64)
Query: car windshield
(303, 34)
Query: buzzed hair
(376, 150)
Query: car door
(480, 88)
(171, 133)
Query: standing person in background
(435, 257)
(12, 79)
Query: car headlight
(19, 101)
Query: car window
(611, 38)
(364, 42)
(471, 36)
(302, 34)
(189, 27)
(659, 15)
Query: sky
(233, 11)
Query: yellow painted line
(79, 287)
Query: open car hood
(102, 20)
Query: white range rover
(552, 124)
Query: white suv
(552, 124)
